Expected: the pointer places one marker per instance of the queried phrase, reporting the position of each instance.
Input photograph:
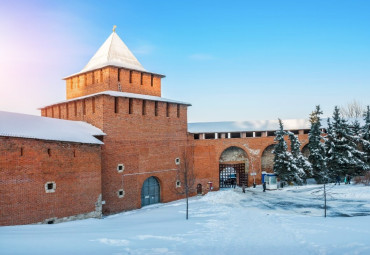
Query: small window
(101, 75)
(67, 111)
(74, 153)
(49, 152)
(120, 168)
(271, 133)
(84, 107)
(130, 77)
(21, 151)
(130, 106)
(141, 78)
(177, 161)
(93, 104)
(144, 108)
(235, 135)
(119, 75)
(151, 80)
(121, 193)
(155, 108)
(75, 105)
(178, 111)
(116, 105)
(50, 187)
(178, 184)
(196, 136)
(50, 222)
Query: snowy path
(226, 222)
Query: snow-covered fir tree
(284, 165)
(343, 154)
(365, 135)
(303, 166)
(317, 156)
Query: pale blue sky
(233, 60)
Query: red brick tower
(146, 134)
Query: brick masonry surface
(26, 165)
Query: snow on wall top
(124, 94)
(255, 125)
(36, 127)
(241, 126)
(113, 52)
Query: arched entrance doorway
(150, 192)
(267, 160)
(233, 167)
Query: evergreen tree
(365, 130)
(343, 155)
(303, 166)
(316, 147)
(284, 165)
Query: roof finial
(114, 28)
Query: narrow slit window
(84, 107)
(75, 105)
(144, 108)
(93, 104)
(141, 79)
(130, 106)
(21, 151)
(59, 112)
(116, 105)
(74, 153)
(67, 111)
(49, 152)
(52, 112)
(119, 75)
(85, 80)
(93, 77)
(178, 111)
(168, 110)
(71, 82)
(101, 75)
(156, 108)
(130, 77)
(151, 80)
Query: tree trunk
(325, 200)
(187, 206)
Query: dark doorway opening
(199, 189)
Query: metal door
(150, 192)
(230, 173)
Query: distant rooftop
(124, 94)
(113, 52)
(43, 128)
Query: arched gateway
(233, 167)
(150, 192)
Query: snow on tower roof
(113, 52)
(123, 94)
(36, 127)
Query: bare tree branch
(353, 109)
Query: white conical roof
(113, 52)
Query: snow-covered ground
(288, 221)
